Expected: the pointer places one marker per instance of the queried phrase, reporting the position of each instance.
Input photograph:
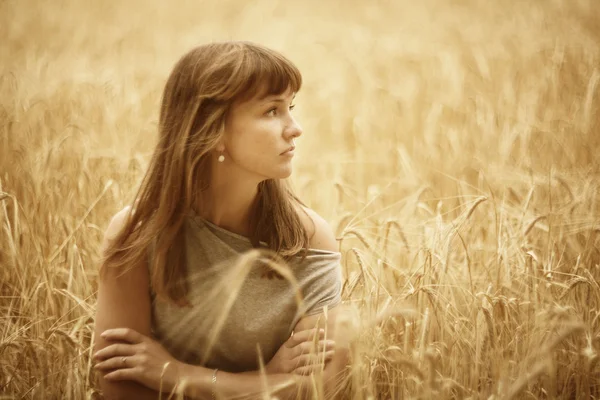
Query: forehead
(262, 97)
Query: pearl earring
(221, 158)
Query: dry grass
(453, 144)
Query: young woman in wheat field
(194, 295)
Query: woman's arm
(335, 321)
(123, 311)
(136, 357)
(247, 385)
(333, 376)
(123, 301)
(150, 364)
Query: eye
(274, 111)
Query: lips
(288, 150)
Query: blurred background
(452, 144)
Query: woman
(186, 301)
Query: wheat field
(454, 146)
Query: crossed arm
(123, 316)
(142, 368)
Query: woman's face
(259, 136)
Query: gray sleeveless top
(260, 313)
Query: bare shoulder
(116, 224)
(135, 274)
(319, 231)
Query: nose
(293, 130)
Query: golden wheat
(414, 114)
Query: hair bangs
(268, 73)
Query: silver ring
(292, 335)
(123, 359)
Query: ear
(221, 146)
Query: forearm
(126, 390)
(251, 384)
(248, 385)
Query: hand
(139, 359)
(303, 353)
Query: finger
(312, 359)
(304, 336)
(115, 350)
(126, 334)
(117, 363)
(310, 347)
(127, 374)
(309, 359)
(308, 369)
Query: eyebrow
(275, 99)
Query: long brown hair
(197, 97)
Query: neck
(229, 199)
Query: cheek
(247, 146)
(258, 137)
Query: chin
(283, 174)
